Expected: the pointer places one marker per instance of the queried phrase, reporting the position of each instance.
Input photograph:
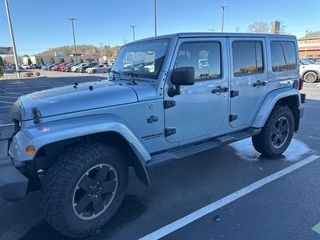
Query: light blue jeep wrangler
(158, 105)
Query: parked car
(76, 67)
(56, 67)
(12, 66)
(101, 68)
(34, 66)
(310, 73)
(24, 66)
(61, 65)
(75, 144)
(83, 68)
(45, 66)
(69, 66)
(310, 61)
(51, 68)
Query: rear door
(248, 79)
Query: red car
(57, 67)
(62, 67)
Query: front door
(199, 110)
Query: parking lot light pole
(74, 39)
(155, 17)
(223, 7)
(12, 39)
(133, 35)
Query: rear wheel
(277, 133)
(84, 189)
(310, 77)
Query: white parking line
(226, 200)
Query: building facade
(309, 45)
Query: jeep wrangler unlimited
(159, 104)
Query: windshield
(143, 58)
(304, 61)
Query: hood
(78, 97)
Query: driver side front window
(204, 57)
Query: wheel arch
(112, 138)
(52, 143)
(287, 98)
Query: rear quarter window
(283, 56)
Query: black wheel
(310, 77)
(94, 71)
(84, 189)
(276, 134)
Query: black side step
(170, 156)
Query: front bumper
(13, 184)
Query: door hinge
(169, 104)
(234, 93)
(233, 117)
(169, 131)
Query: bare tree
(237, 29)
(259, 27)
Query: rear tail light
(301, 83)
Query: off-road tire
(84, 189)
(310, 77)
(276, 134)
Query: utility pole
(12, 39)
(223, 7)
(133, 35)
(306, 44)
(74, 39)
(101, 44)
(155, 16)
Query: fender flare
(270, 101)
(46, 133)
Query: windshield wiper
(131, 74)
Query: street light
(223, 7)
(133, 26)
(12, 38)
(155, 17)
(74, 40)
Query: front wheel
(94, 71)
(84, 189)
(277, 133)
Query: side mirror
(181, 76)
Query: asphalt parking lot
(226, 193)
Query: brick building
(309, 45)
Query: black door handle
(258, 83)
(220, 90)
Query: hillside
(89, 50)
